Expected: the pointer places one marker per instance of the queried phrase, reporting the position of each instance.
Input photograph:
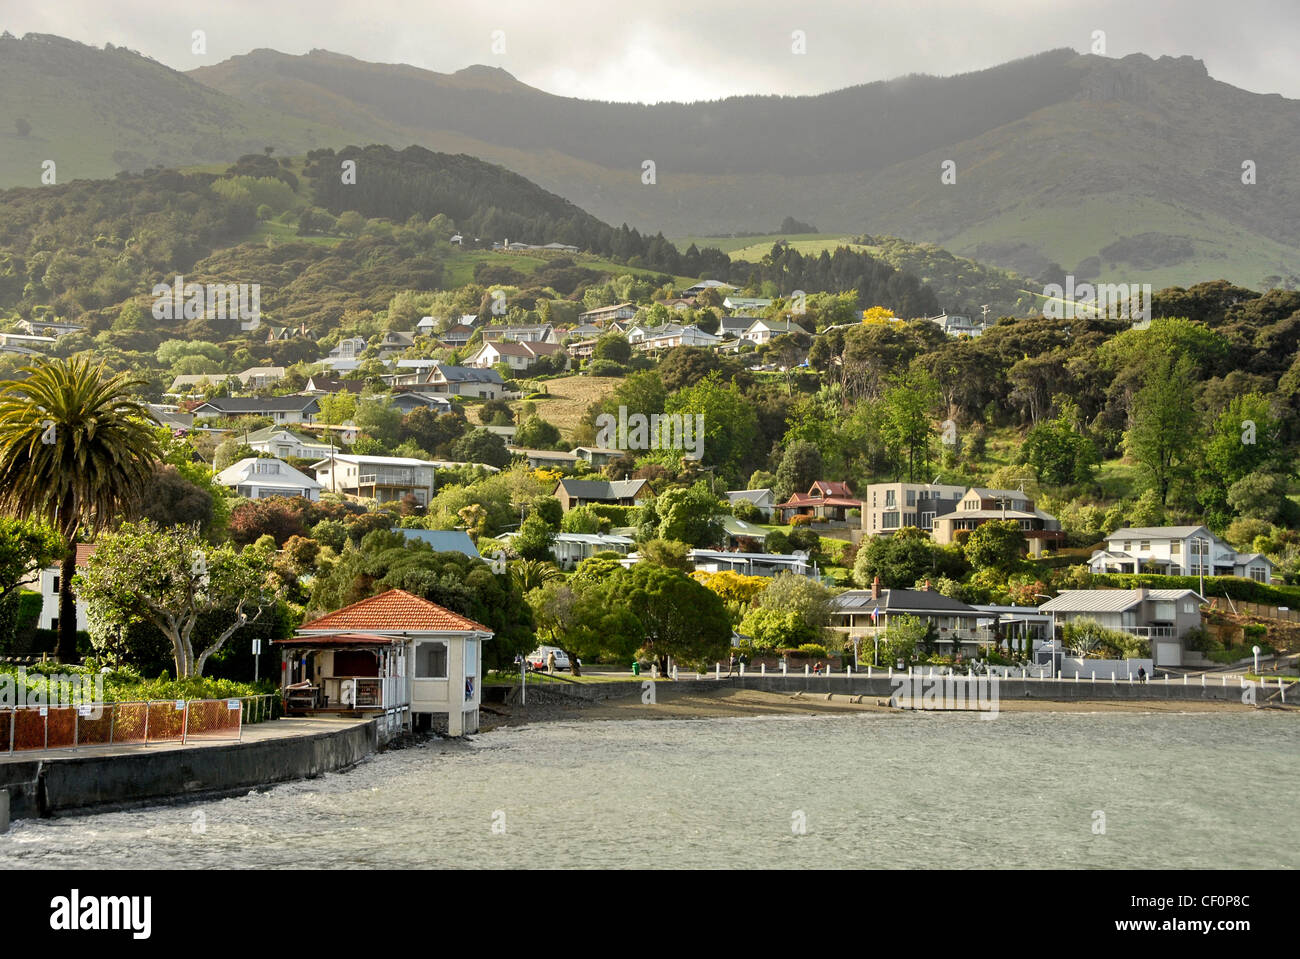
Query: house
(979, 505)
(285, 443)
(576, 492)
(260, 477)
(25, 342)
(583, 331)
(465, 381)
(764, 331)
(383, 478)
(49, 580)
(443, 540)
(1163, 616)
(395, 341)
(47, 327)
(605, 314)
(456, 336)
(703, 285)
(827, 501)
(394, 651)
(170, 417)
(862, 616)
(426, 326)
(536, 333)
(201, 382)
(1177, 551)
(743, 304)
(672, 334)
(597, 456)
(518, 356)
(348, 348)
(545, 459)
(581, 349)
(407, 400)
(282, 409)
(742, 536)
(570, 549)
(734, 327)
(321, 384)
(955, 325)
(889, 507)
(750, 564)
(764, 500)
(260, 377)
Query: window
(890, 501)
(927, 521)
(54, 587)
(1176, 548)
(431, 661)
(1145, 545)
(911, 497)
(1259, 574)
(889, 521)
(1128, 546)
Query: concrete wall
(48, 787)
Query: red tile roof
(339, 639)
(83, 553)
(395, 610)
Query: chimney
(875, 588)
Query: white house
(763, 331)
(570, 549)
(260, 377)
(519, 356)
(1177, 551)
(260, 477)
(49, 580)
(673, 334)
(384, 478)
(391, 652)
(761, 499)
(1162, 616)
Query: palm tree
(531, 574)
(75, 450)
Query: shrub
(802, 519)
(606, 368)
(812, 650)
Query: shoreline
(733, 703)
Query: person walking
(731, 666)
(1142, 674)
(550, 661)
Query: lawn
(568, 398)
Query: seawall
(140, 775)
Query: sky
(654, 50)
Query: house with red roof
(826, 500)
(394, 655)
(48, 581)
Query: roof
(359, 460)
(748, 495)
(603, 489)
(266, 432)
(339, 639)
(443, 540)
(1154, 532)
(901, 601)
(259, 404)
(467, 374)
(738, 527)
(395, 610)
(327, 385)
(285, 475)
(1109, 600)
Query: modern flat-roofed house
(260, 477)
(827, 501)
(745, 304)
(383, 478)
(863, 615)
(285, 443)
(606, 314)
(582, 492)
(545, 459)
(889, 507)
(1177, 551)
(764, 331)
(749, 564)
(980, 505)
(1163, 616)
(764, 500)
(519, 356)
(282, 409)
(673, 334)
(48, 582)
(389, 653)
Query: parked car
(537, 658)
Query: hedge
(1233, 587)
(617, 515)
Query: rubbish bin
(636, 668)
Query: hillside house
(518, 356)
(260, 477)
(1177, 551)
(576, 492)
(382, 478)
(1162, 616)
(889, 507)
(281, 409)
(980, 505)
(826, 500)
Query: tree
(536, 433)
(906, 427)
(801, 466)
(791, 611)
(170, 499)
(668, 553)
(612, 347)
(1057, 452)
(1162, 436)
(671, 615)
(171, 579)
(75, 451)
(535, 539)
(689, 514)
(26, 547)
(481, 446)
(905, 557)
(996, 544)
(574, 617)
(902, 637)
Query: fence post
(805, 669)
(762, 669)
(717, 670)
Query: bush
(812, 650)
(606, 368)
(802, 519)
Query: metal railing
(34, 728)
